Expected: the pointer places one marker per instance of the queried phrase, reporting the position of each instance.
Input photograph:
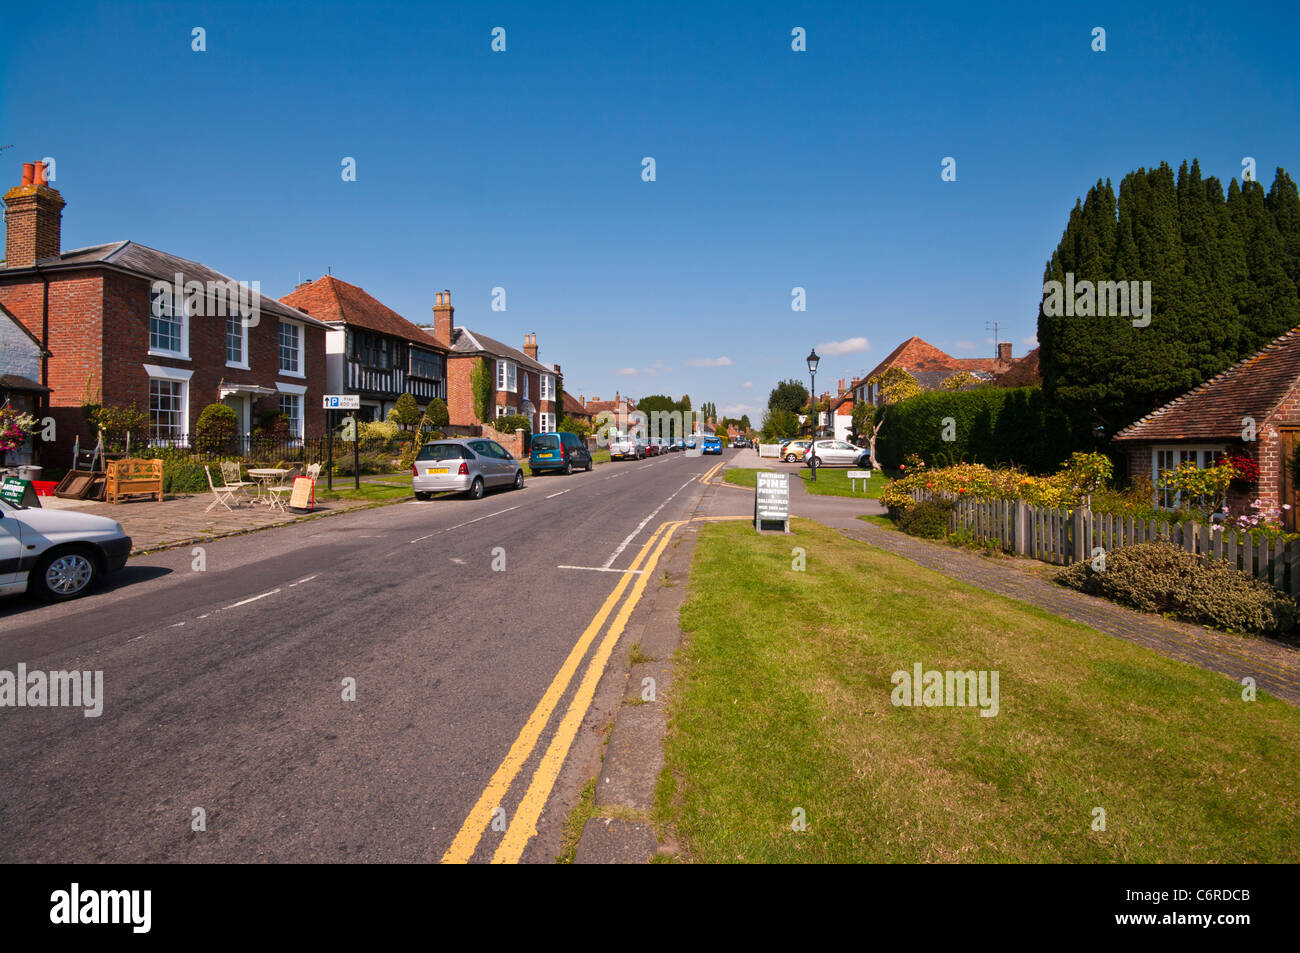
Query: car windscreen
(441, 451)
(546, 441)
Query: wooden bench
(133, 478)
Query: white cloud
(627, 371)
(710, 362)
(738, 410)
(1030, 342)
(747, 384)
(963, 345)
(847, 346)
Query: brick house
(520, 383)
(370, 349)
(575, 407)
(21, 360)
(116, 336)
(1252, 408)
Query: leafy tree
(684, 404)
(481, 387)
(895, 385)
(789, 395)
(116, 422)
(405, 412)
(572, 425)
(745, 424)
(780, 424)
(960, 381)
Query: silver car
(837, 453)
(623, 446)
(464, 466)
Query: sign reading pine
(772, 500)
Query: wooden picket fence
(1064, 536)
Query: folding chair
(222, 494)
(282, 491)
(230, 474)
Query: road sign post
(334, 402)
(856, 475)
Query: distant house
(576, 408)
(520, 383)
(20, 374)
(1252, 408)
(621, 407)
(931, 367)
(117, 335)
(371, 350)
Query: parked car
(792, 450)
(464, 466)
(558, 450)
(652, 447)
(690, 442)
(711, 445)
(836, 453)
(57, 554)
(622, 446)
(679, 444)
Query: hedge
(991, 425)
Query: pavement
(184, 518)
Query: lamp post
(813, 361)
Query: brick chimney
(443, 313)
(530, 345)
(34, 214)
(1004, 351)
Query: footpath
(620, 829)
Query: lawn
(783, 702)
(830, 481)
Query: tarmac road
(223, 688)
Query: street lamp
(813, 361)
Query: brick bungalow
(114, 338)
(521, 384)
(371, 350)
(1252, 408)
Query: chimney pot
(29, 173)
(40, 174)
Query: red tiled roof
(573, 407)
(1023, 373)
(915, 354)
(1213, 411)
(329, 299)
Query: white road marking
(632, 535)
(458, 561)
(301, 581)
(636, 572)
(176, 625)
(466, 523)
(561, 493)
(253, 599)
(647, 465)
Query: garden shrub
(1160, 577)
(990, 424)
(215, 429)
(927, 519)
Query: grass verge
(784, 703)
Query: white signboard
(772, 499)
(342, 402)
(855, 475)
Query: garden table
(265, 476)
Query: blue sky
(522, 169)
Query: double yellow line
(523, 826)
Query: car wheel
(789, 458)
(423, 496)
(475, 491)
(65, 574)
(519, 479)
(816, 462)
(588, 465)
(568, 468)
